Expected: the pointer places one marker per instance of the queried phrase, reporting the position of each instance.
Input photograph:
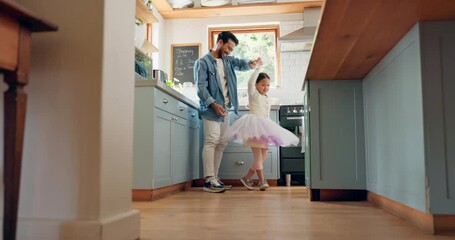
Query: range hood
(301, 40)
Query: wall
(76, 173)
(438, 51)
(394, 125)
(293, 64)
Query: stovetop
(291, 110)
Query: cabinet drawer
(236, 165)
(165, 102)
(171, 105)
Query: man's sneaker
(227, 187)
(263, 185)
(247, 183)
(212, 185)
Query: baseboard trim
(121, 226)
(337, 195)
(37, 228)
(429, 223)
(144, 195)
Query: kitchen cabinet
(335, 152)
(166, 140)
(195, 136)
(238, 159)
(306, 143)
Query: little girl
(256, 130)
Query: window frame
(214, 31)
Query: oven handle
(293, 118)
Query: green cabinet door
(180, 151)
(194, 147)
(306, 143)
(337, 140)
(162, 149)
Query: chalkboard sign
(183, 58)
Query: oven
(292, 160)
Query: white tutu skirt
(256, 131)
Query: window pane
(253, 45)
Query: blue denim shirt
(209, 87)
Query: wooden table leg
(15, 100)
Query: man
(216, 82)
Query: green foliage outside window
(252, 46)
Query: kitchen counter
(165, 88)
(353, 36)
(174, 93)
(272, 107)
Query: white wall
(293, 65)
(76, 173)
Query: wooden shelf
(143, 13)
(230, 10)
(148, 47)
(353, 36)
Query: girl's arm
(240, 64)
(252, 81)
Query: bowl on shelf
(181, 3)
(214, 3)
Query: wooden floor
(278, 213)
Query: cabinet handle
(181, 108)
(165, 100)
(240, 163)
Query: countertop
(174, 93)
(353, 36)
(272, 107)
(165, 88)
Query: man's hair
(261, 76)
(225, 36)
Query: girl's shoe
(263, 185)
(247, 183)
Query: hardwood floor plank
(278, 213)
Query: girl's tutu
(252, 129)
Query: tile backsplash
(293, 69)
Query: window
(254, 41)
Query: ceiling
(354, 35)
(165, 9)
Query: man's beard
(220, 53)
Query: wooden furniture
(166, 10)
(146, 16)
(353, 36)
(15, 29)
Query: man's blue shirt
(209, 87)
